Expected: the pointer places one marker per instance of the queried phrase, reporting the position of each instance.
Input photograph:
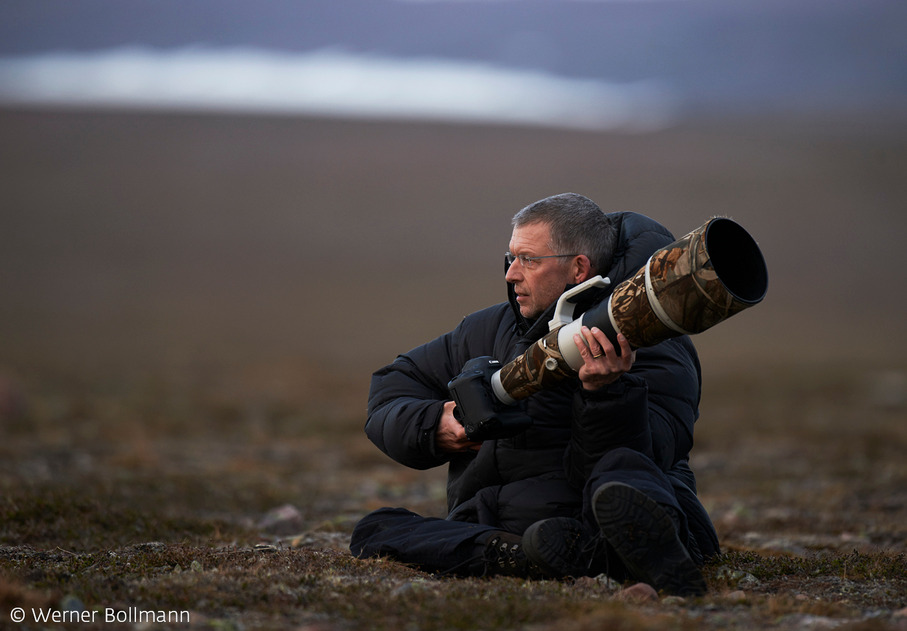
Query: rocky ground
(193, 501)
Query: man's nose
(514, 273)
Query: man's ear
(582, 269)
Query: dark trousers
(454, 545)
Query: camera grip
(477, 409)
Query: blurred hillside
(157, 243)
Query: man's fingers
(626, 353)
(581, 346)
(603, 341)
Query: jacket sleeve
(651, 409)
(403, 415)
(406, 398)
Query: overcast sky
(580, 63)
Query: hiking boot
(644, 536)
(560, 547)
(504, 555)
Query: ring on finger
(594, 356)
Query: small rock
(638, 593)
(71, 603)
(674, 601)
(736, 578)
(901, 613)
(282, 521)
(738, 596)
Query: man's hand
(601, 364)
(451, 435)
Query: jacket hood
(637, 238)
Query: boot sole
(644, 536)
(554, 545)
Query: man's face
(544, 281)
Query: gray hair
(577, 226)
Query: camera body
(479, 411)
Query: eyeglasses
(530, 262)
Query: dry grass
(101, 514)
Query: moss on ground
(106, 502)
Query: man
(600, 482)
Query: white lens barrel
(567, 346)
(499, 391)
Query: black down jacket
(651, 409)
